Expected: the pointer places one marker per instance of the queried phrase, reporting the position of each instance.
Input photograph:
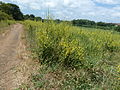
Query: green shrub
(88, 54)
(117, 28)
(4, 16)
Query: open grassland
(74, 58)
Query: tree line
(93, 24)
(12, 12)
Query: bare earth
(15, 65)
(9, 57)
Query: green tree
(117, 29)
(12, 10)
(101, 24)
(58, 21)
(5, 16)
(38, 18)
(26, 17)
(83, 22)
(32, 17)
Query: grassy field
(73, 58)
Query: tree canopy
(32, 17)
(12, 10)
(5, 16)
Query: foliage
(12, 10)
(87, 58)
(93, 24)
(81, 22)
(58, 21)
(32, 17)
(117, 28)
(4, 16)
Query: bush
(117, 29)
(4, 16)
(60, 43)
(88, 54)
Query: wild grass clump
(5, 23)
(88, 57)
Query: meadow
(74, 58)
(85, 56)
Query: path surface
(9, 57)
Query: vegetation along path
(9, 59)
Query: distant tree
(93, 24)
(32, 17)
(26, 17)
(101, 24)
(38, 18)
(117, 29)
(58, 21)
(12, 10)
(83, 22)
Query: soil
(15, 66)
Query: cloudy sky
(98, 10)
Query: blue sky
(97, 10)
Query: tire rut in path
(9, 58)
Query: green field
(74, 58)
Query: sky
(97, 10)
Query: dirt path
(9, 57)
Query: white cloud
(50, 4)
(34, 6)
(116, 8)
(71, 9)
(66, 2)
(108, 1)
